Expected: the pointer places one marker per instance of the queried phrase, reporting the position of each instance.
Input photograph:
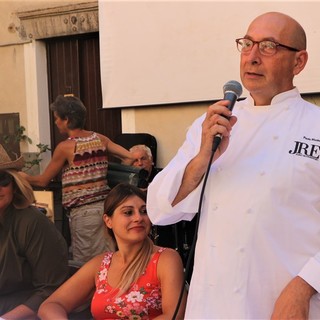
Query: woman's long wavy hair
(23, 195)
(137, 266)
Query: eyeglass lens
(265, 47)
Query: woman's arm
(73, 293)
(116, 150)
(59, 158)
(171, 276)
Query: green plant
(36, 162)
(20, 136)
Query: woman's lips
(137, 228)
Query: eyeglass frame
(277, 44)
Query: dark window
(9, 128)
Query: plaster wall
(23, 76)
(23, 81)
(169, 124)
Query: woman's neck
(127, 253)
(78, 133)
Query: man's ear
(300, 61)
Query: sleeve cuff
(311, 274)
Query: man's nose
(255, 51)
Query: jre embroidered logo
(306, 150)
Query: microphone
(232, 91)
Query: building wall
(168, 123)
(24, 88)
(23, 76)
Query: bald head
(287, 29)
(266, 76)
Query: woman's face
(130, 221)
(61, 124)
(6, 191)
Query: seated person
(33, 253)
(172, 236)
(137, 281)
(143, 159)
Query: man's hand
(293, 302)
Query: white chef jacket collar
(279, 98)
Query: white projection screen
(161, 52)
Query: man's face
(266, 76)
(142, 160)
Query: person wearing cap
(33, 253)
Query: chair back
(128, 140)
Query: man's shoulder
(153, 173)
(311, 114)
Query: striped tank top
(85, 181)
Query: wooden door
(74, 68)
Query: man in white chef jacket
(257, 254)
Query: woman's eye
(143, 211)
(128, 213)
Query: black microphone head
(233, 86)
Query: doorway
(73, 64)
(74, 68)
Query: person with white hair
(143, 159)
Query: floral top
(141, 301)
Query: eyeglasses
(5, 179)
(266, 47)
(141, 159)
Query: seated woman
(138, 281)
(33, 253)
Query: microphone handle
(232, 97)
